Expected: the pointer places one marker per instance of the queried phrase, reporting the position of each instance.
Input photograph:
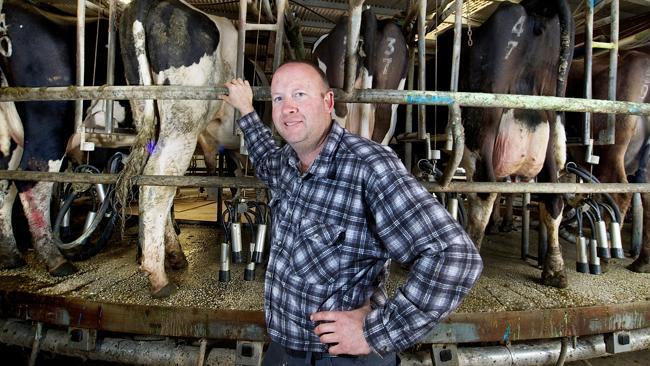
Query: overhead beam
(344, 6)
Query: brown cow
(383, 66)
(623, 158)
(524, 49)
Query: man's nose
(289, 106)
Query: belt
(314, 355)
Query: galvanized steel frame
(464, 99)
(251, 182)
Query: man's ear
(329, 100)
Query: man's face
(301, 106)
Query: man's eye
(277, 99)
(300, 94)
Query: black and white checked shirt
(335, 227)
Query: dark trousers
(277, 355)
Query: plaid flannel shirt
(334, 229)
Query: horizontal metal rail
(251, 182)
(175, 321)
(357, 96)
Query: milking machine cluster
(257, 216)
(101, 214)
(592, 211)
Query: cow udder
(519, 149)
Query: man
(342, 206)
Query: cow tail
(567, 30)
(138, 73)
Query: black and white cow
(523, 48)
(169, 42)
(43, 54)
(383, 65)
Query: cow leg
(171, 157)
(174, 256)
(36, 204)
(495, 217)
(507, 224)
(155, 203)
(480, 207)
(9, 255)
(642, 263)
(554, 273)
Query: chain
(470, 42)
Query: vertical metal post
(525, 230)
(352, 46)
(241, 38)
(36, 345)
(637, 225)
(458, 34)
(422, 80)
(81, 37)
(455, 133)
(589, 30)
(279, 34)
(613, 68)
(408, 147)
(110, 65)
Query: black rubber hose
(573, 168)
(592, 224)
(594, 206)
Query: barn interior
(314, 18)
(508, 307)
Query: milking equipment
(582, 264)
(257, 216)
(595, 209)
(601, 229)
(101, 196)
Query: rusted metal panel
(249, 325)
(540, 324)
(135, 319)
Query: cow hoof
(176, 262)
(639, 266)
(506, 228)
(12, 263)
(557, 279)
(166, 291)
(64, 269)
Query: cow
(383, 65)
(43, 54)
(169, 42)
(523, 48)
(628, 155)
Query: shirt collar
(321, 165)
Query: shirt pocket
(316, 255)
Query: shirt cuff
(247, 120)
(376, 334)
